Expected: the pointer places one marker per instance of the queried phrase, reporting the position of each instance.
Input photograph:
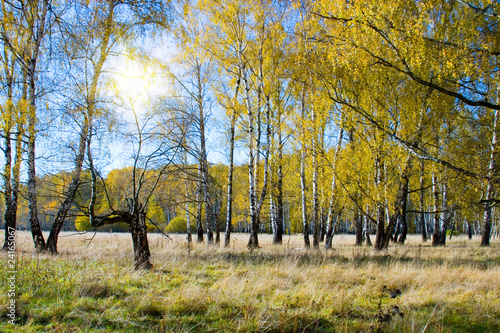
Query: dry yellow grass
(92, 287)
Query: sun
(135, 82)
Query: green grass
(93, 288)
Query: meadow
(91, 287)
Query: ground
(91, 287)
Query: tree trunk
(384, 235)
(189, 237)
(366, 231)
(210, 236)
(205, 178)
(445, 215)
(88, 116)
(229, 212)
(253, 242)
(136, 219)
(139, 233)
(8, 119)
(217, 229)
(490, 189)
(330, 225)
(486, 232)
(452, 229)
(422, 203)
(10, 213)
(199, 223)
(16, 173)
(70, 193)
(379, 238)
(396, 231)
(435, 190)
(278, 234)
(315, 194)
(403, 218)
(93, 180)
(359, 229)
(253, 156)
(329, 234)
(305, 223)
(36, 231)
(272, 213)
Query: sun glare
(136, 82)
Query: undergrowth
(93, 287)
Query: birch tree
(427, 44)
(13, 114)
(95, 31)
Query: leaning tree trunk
(136, 219)
(139, 233)
(70, 193)
(84, 133)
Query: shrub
(82, 223)
(176, 225)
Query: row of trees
(167, 209)
(347, 111)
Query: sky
(137, 83)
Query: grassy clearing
(93, 288)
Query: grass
(91, 287)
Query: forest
(285, 120)
(361, 118)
